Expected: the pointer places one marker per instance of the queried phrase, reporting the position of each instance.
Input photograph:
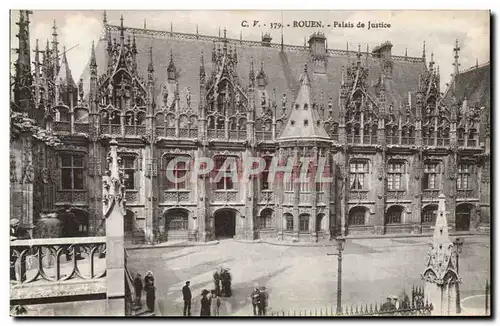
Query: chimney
(383, 53)
(266, 39)
(317, 48)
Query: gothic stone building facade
(392, 140)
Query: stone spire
(55, 49)
(304, 122)
(151, 68)
(440, 272)
(23, 79)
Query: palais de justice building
(392, 138)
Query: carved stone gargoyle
(113, 190)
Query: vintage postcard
(250, 163)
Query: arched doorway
(462, 217)
(429, 214)
(176, 224)
(225, 223)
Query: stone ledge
(172, 244)
(47, 289)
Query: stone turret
(440, 274)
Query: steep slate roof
(282, 67)
(304, 122)
(473, 83)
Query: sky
(408, 31)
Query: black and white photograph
(250, 163)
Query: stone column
(202, 199)
(114, 213)
(417, 194)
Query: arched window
(304, 223)
(394, 215)
(177, 220)
(429, 214)
(288, 219)
(265, 219)
(357, 216)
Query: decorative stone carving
(381, 171)
(113, 183)
(13, 172)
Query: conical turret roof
(304, 122)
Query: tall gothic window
(226, 180)
(464, 171)
(431, 170)
(129, 172)
(395, 172)
(357, 175)
(71, 172)
(178, 171)
(288, 222)
(304, 223)
(264, 183)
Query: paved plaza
(302, 277)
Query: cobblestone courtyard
(302, 277)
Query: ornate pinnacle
(121, 27)
(151, 68)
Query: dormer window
(306, 123)
(306, 106)
(297, 106)
(292, 122)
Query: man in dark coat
(149, 286)
(205, 304)
(262, 301)
(255, 299)
(388, 305)
(138, 286)
(186, 296)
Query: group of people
(147, 286)
(393, 303)
(210, 305)
(260, 299)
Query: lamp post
(340, 240)
(458, 243)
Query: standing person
(186, 296)
(205, 303)
(149, 279)
(214, 304)
(150, 291)
(396, 302)
(388, 305)
(255, 298)
(262, 302)
(138, 286)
